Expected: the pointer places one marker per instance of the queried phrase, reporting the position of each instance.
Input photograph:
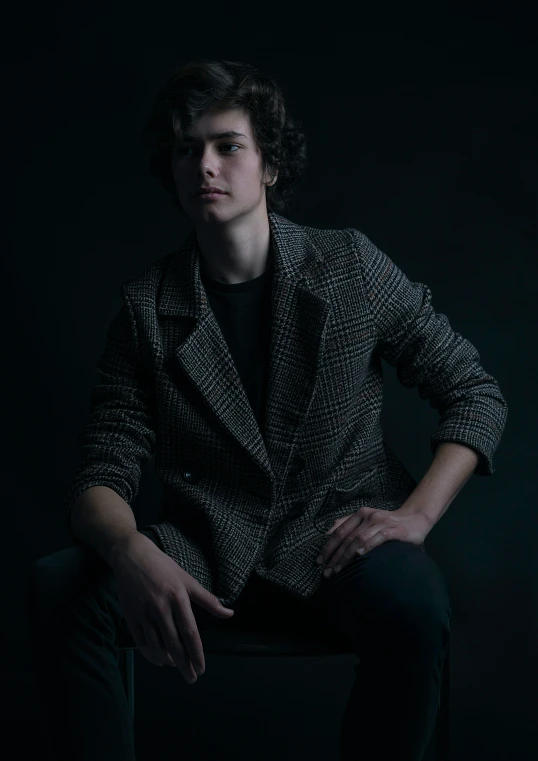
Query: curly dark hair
(199, 86)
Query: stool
(276, 644)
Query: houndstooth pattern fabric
(233, 502)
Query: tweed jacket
(234, 503)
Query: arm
(450, 470)
(103, 520)
(430, 355)
(118, 438)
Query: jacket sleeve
(428, 354)
(119, 436)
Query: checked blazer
(233, 501)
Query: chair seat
(258, 643)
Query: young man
(249, 363)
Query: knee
(53, 579)
(414, 606)
(420, 626)
(431, 614)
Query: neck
(235, 253)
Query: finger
(167, 659)
(328, 550)
(334, 526)
(181, 625)
(157, 657)
(152, 639)
(346, 559)
(343, 551)
(333, 551)
(347, 526)
(155, 646)
(363, 545)
(174, 647)
(170, 661)
(338, 522)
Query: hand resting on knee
(155, 594)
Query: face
(232, 163)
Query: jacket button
(297, 465)
(190, 477)
(297, 509)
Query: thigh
(394, 590)
(58, 580)
(261, 606)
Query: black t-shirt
(243, 312)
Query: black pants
(392, 603)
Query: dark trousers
(392, 604)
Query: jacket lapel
(299, 316)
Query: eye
(184, 149)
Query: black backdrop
(421, 132)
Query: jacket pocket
(356, 486)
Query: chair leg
(126, 662)
(442, 727)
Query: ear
(271, 179)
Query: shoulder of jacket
(350, 236)
(149, 275)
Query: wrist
(119, 548)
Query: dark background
(422, 133)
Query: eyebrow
(214, 136)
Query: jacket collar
(182, 293)
(300, 310)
